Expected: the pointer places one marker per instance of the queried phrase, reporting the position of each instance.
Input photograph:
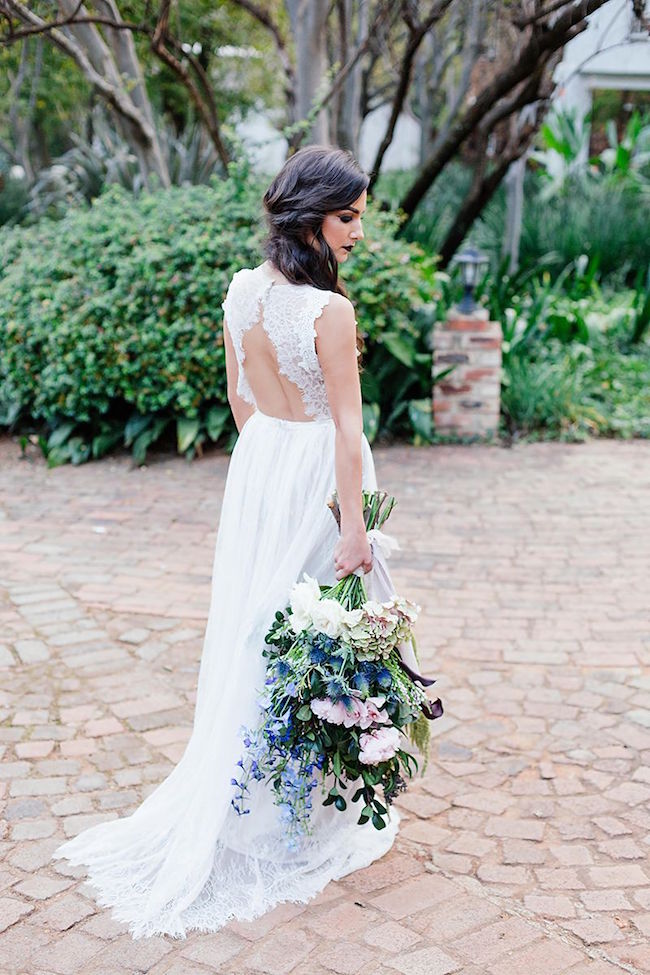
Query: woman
(184, 859)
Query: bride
(184, 859)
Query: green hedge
(111, 320)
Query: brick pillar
(467, 402)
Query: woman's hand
(351, 551)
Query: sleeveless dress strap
(240, 307)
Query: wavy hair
(314, 181)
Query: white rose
(303, 598)
(328, 616)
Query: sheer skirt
(184, 859)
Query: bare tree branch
(265, 18)
(92, 57)
(207, 110)
(471, 48)
(537, 15)
(482, 193)
(115, 97)
(524, 123)
(543, 39)
(417, 32)
(73, 18)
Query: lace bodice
(288, 314)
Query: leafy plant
(81, 173)
(111, 321)
(565, 140)
(641, 313)
(546, 395)
(574, 391)
(627, 158)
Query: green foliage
(545, 394)
(574, 390)
(61, 93)
(596, 208)
(394, 287)
(575, 362)
(111, 320)
(236, 52)
(566, 134)
(13, 198)
(641, 312)
(83, 172)
(605, 221)
(628, 159)
(436, 213)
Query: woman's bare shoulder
(338, 313)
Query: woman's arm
(241, 410)
(337, 353)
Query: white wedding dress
(185, 859)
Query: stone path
(525, 846)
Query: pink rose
(335, 711)
(373, 713)
(378, 745)
(355, 713)
(325, 709)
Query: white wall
(610, 53)
(267, 149)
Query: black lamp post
(471, 261)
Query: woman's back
(272, 325)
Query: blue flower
(317, 655)
(384, 677)
(282, 668)
(336, 688)
(361, 683)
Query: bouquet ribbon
(381, 588)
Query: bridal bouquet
(341, 693)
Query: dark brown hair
(314, 181)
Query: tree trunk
(85, 45)
(424, 94)
(348, 120)
(417, 33)
(141, 134)
(480, 194)
(514, 212)
(308, 20)
(20, 124)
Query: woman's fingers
(342, 570)
(348, 559)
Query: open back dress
(184, 859)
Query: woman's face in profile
(342, 228)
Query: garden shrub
(602, 218)
(111, 319)
(573, 391)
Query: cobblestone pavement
(525, 846)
